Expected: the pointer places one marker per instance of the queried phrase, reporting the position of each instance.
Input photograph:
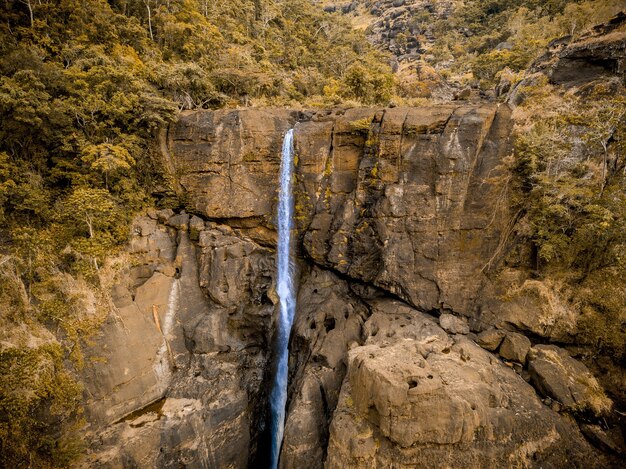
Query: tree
(108, 159)
(95, 211)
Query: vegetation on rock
(85, 85)
(569, 171)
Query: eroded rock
(420, 397)
(557, 375)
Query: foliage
(35, 391)
(486, 36)
(571, 185)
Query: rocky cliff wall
(406, 199)
(422, 337)
(404, 347)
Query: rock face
(600, 54)
(400, 212)
(179, 367)
(401, 218)
(405, 199)
(416, 396)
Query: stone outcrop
(178, 369)
(406, 199)
(599, 54)
(514, 347)
(416, 396)
(567, 381)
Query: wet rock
(514, 347)
(559, 376)
(329, 318)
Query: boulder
(490, 339)
(180, 221)
(454, 324)
(559, 376)
(515, 347)
(414, 394)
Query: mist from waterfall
(286, 294)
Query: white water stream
(285, 290)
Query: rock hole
(315, 290)
(313, 325)
(329, 324)
(473, 406)
(346, 314)
(446, 350)
(430, 376)
(265, 300)
(412, 383)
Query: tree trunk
(147, 2)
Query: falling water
(278, 396)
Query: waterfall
(285, 290)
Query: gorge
(313, 233)
(402, 234)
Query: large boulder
(559, 376)
(417, 396)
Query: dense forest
(85, 85)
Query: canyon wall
(406, 347)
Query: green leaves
(107, 159)
(30, 378)
(570, 175)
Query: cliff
(403, 230)
(424, 335)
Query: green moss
(361, 126)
